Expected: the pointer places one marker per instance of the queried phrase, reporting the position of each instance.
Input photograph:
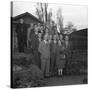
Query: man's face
(38, 24)
(36, 31)
(41, 27)
(54, 37)
(39, 35)
(31, 25)
(52, 23)
(61, 36)
(55, 28)
(45, 37)
(35, 26)
(21, 21)
(46, 30)
(50, 37)
(66, 38)
(59, 42)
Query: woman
(60, 58)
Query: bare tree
(60, 20)
(70, 27)
(49, 16)
(46, 6)
(41, 11)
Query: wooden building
(28, 19)
(77, 63)
(79, 39)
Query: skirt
(60, 62)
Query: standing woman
(60, 58)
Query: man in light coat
(44, 49)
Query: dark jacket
(34, 41)
(21, 30)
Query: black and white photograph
(49, 44)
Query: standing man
(68, 51)
(35, 45)
(29, 33)
(61, 38)
(53, 55)
(21, 31)
(44, 49)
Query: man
(53, 55)
(44, 49)
(21, 31)
(35, 45)
(39, 37)
(29, 33)
(68, 52)
(61, 37)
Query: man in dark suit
(35, 45)
(21, 31)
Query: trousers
(45, 65)
(53, 59)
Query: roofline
(18, 16)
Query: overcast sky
(77, 14)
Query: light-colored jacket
(44, 49)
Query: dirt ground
(65, 80)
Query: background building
(28, 19)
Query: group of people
(49, 50)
